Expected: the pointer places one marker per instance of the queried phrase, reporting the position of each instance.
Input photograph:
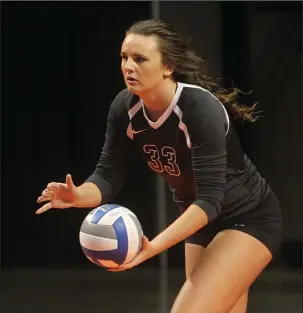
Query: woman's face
(141, 63)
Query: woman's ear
(168, 69)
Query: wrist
(87, 195)
(157, 246)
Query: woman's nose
(129, 65)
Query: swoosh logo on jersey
(135, 132)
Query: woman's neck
(158, 100)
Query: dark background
(60, 72)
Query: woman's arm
(110, 172)
(115, 159)
(193, 219)
(89, 196)
(207, 125)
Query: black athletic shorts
(264, 222)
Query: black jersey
(193, 145)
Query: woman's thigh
(223, 272)
(193, 252)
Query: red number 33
(168, 155)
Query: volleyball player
(182, 123)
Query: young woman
(181, 122)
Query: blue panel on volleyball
(118, 255)
(122, 237)
(100, 213)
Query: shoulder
(201, 106)
(199, 98)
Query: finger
(51, 189)
(46, 207)
(113, 270)
(46, 196)
(61, 205)
(43, 199)
(54, 185)
(145, 242)
(69, 181)
(47, 193)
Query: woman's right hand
(59, 195)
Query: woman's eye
(140, 60)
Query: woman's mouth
(131, 80)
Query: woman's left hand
(147, 251)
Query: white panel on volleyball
(112, 216)
(97, 243)
(133, 237)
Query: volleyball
(111, 235)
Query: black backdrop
(60, 71)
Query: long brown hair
(189, 68)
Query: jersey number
(168, 155)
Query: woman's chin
(134, 88)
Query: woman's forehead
(134, 43)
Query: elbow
(211, 206)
